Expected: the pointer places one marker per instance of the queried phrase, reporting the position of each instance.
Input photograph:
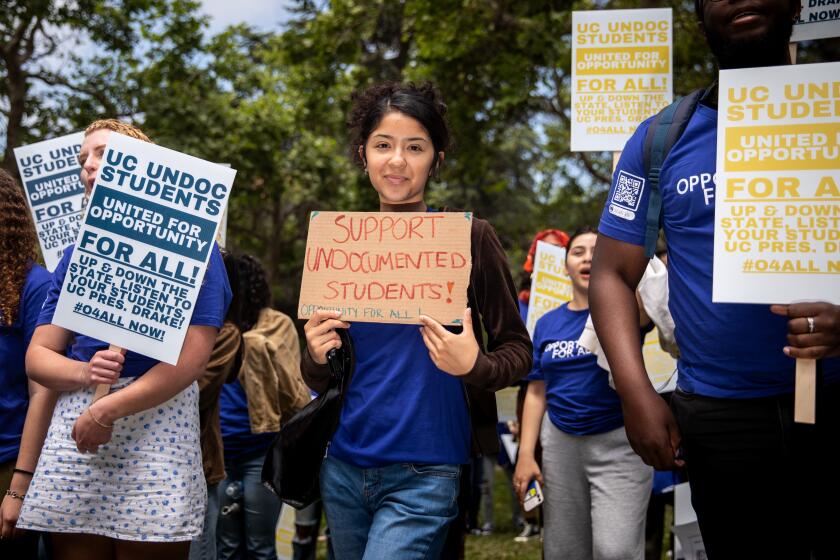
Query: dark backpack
(662, 134)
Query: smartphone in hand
(533, 496)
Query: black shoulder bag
(292, 464)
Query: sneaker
(486, 529)
(528, 533)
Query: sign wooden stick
(103, 388)
(805, 392)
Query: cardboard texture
(777, 191)
(621, 74)
(387, 267)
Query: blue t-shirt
(523, 310)
(577, 391)
(726, 350)
(399, 407)
(236, 424)
(209, 310)
(14, 340)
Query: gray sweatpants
(596, 496)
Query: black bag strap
(667, 127)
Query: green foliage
(273, 104)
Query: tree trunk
(16, 86)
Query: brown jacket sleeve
(492, 298)
(317, 376)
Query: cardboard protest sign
(387, 267)
(621, 74)
(777, 195)
(820, 19)
(49, 171)
(550, 284)
(141, 254)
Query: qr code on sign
(628, 190)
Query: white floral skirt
(146, 484)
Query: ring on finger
(810, 324)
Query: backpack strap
(663, 132)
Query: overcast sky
(264, 14)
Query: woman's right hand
(320, 334)
(527, 470)
(103, 368)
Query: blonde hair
(117, 126)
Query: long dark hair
(18, 246)
(254, 291)
(421, 102)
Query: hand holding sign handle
(100, 364)
(813, 333)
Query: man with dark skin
(758, 481)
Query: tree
(273, 104)
(50, 79)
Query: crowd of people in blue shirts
(167, 464)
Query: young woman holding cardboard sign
(120, 477)
(420, 398)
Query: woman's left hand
(453, 353)
(89, 434)
(9, 513)
(813, 329)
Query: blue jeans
(204, 546)
(248, 530)
(399, 511)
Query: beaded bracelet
(95, 419)
(15, 495)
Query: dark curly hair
(421, 102)
(254, 292)
(18, 246)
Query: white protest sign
(55, 193)
(284, 533)
(550, 284)
(820, 19)
(621, 74)
(659, 364)
(141, 254)
(777, 197)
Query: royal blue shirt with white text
(577, 391)
(726, 350)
